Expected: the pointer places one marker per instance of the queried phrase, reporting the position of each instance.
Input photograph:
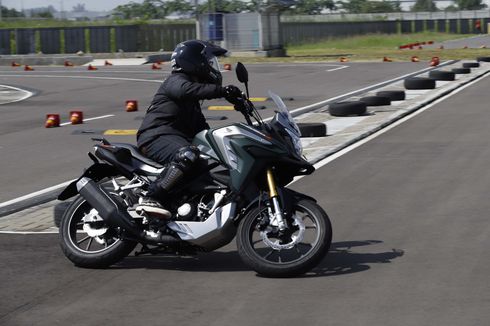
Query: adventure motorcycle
(239, 190)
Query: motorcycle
(239, 190)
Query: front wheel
(287, 253)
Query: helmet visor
(214, 63)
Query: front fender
(96, 172)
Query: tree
(6, 12)
(424, 5)
(149, 9)
(365, 6)
(79, 7)
(311, 7)
(43, 14)
(470, 4)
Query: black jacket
(175, 109)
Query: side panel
(217, 231)
(234, 145)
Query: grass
(373, 48)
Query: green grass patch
(372, 41)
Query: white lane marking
(388, 128)
(87, 77)
(26, 96)
(338, 68)
(89, 119)
(28, 232)
(34, 194)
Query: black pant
(162, 150)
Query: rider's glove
(232, 94)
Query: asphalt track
(410, 217)
(34, 158)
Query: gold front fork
(278, 216)
(271, 183)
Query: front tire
(310, 236)
(87, 244)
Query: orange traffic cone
(107, 63)
(465, 47)
(131, 105)
(434, 62)
(76, 117)
(441, 47)
(68, 64)
(386, 59)
(415, 59)
(52, 120)
(227, 66)
(430, 42)
(15, 64)
(28, 68)
(343, 59)
(155, 66)
(420, 47)
(90, 67)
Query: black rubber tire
(471, 64)
(419, 83)
(461, 70)
(392, 95)
(102, 259)
(343, 109)
(285, 269)
(313, 129)
(58, 211)
(484, 59)
(375, 100)
(442, 75)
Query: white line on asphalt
(338, 68)
(28, 94)
(391, 126)
(28, 233)
(34, 194)
(89, 119)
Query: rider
(175, 117)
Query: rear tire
(287, 262)
(90, 251)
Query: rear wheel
(288, 253)
(87, 240)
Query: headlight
(296, 142)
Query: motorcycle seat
(137, 155)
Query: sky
(92, 5)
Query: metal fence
(100, 39)
(298, 33)
(238, 32)
(428, 15)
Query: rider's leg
(173, 173)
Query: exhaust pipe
(113, 214)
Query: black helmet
(198, 58)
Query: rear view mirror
(241, 73)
